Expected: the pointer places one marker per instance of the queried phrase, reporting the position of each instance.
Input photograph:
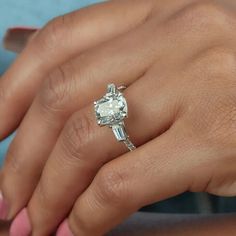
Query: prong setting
(111, 110)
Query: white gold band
(129, 144)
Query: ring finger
(83, 148)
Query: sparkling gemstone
(111, 109)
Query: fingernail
(3, 208)
(64, 230)
(21, 225)
(16, 38)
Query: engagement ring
(111, 110)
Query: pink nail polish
(3, 208)
(64, 229)
(21, 225)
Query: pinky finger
(151, 173)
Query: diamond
(111, 109)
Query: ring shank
(129, 144)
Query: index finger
(60, 40)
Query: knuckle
(57, 89)
(112, 186)
(202, 15)
(219, 62)
(76, 136)
(209, 11)
(80, 221)
(216, 106)
(56, 32)
(215, 122)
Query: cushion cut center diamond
(112, 108)
(109, 108)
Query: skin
(178, 60)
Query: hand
(178, 61)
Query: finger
(61, 39)
(83, 147)
(16, 39)
(152, 173)
(68, 89)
